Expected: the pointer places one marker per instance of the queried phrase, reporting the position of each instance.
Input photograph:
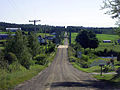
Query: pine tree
(33, 44)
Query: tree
(93, 43)
(33, 44)
(83, 38)
(113, 8)
(87, 39)
(18, 46)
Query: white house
(106, 41)
(13, 29)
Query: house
(106, 41)
(13, 29)
(41, 40)
(50, 37)
(118, 40)
(5, 36)
(53, 33)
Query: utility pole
(34, 23)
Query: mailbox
(101, 65)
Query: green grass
(6, 32)
(10, 80)
(73, 37)
(99, 36)
(3, 40)
(113, 80)
(104, 77)
(1, 48)
(102, 46)
(43, 34)
(107, 37)
(88, 70)
(3, 32)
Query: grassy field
(43, 34)
(107, 37)
(102, 45)
(73, 37)
(108, 46)
(6, 32)
(99, 36)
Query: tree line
(50, 29)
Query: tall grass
(8, 80)
(16, 74)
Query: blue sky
(56, 12)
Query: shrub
(73, 59)
(85, 57)
(51, 48)
(118, 57)
(16, 66)
(10, 57)
(40, 59)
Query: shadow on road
(85, 83)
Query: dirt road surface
(61, 75)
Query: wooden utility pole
(34, 23)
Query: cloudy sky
(56, 12)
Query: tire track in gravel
(61, 75)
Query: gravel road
(61, 75)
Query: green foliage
(10, 57)
(85, 57)
(87, 39)
(113, 7)
(88, 70)
(104, 77)
(118, 57)
(51, 48)
(111, 37)
(40, 59)
(73, 37)
(9, 80)
(33, 44)
(18, 46)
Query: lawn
(99, 36)
(43, 34)
(102, 45)
(73, 37)
(107, 37)
(108, 46)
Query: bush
(85, 57)
(51, 48)
(73, 59)
(15, 66)
(10, 57)
(118, 57)
(40, 59)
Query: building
(5, 36)
(41, 40)
(106, 41)
(13, 29)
